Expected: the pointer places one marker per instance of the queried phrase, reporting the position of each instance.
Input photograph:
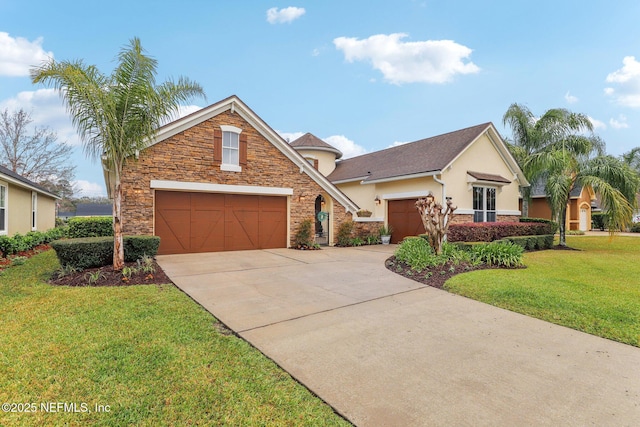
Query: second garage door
(205, 222)
(405, 219)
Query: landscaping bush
(7, 246)
(97, 226)
(418, 254)
(490, 231)
(552, 224)
(635, 228)
(55, 234)
(345, 231)
(304, 235)
(598, 220)
(20, 243)
(501, 254)
(91, 252)
(136, 247)
(531, 243)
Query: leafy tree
(35, 152)
(533, 135)
(116, 115)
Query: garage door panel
(241, 228)
(404, 218)
(206, 222)
(273, 222)
(208, 226)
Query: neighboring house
(221, 179)
(24, 205)
(94, 209)
(88, 209)
(472, 166)
(579, 207)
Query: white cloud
(619, 123)
(290, 136)
(46, 109)
(570, 98)
(347, 146)
(315, 52)
(597, 124)
(430, 61)
(627, 79)
(284, 15)
(341, 142)
(18, 54)
(89, 189)
(398, 143)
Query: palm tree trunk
(562, 225)
(526, 196)
(118, 248)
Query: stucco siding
(483, 157)
(19, 211)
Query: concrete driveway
(385, 351)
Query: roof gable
(9, 175)
(235, 105)
(427, 156)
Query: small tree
(435, 220)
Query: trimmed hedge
(490, 231)
(91, 252)
(94, 226)
(531, 243)
(553, 224)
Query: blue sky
(363, 75)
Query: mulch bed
(433, 276)
(6, 262)
(108, 277)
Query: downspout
(444, 187)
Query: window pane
(2, 214)
(491, 199)
(225, 156)
(478, 202)
(230, 140)
(233, 158)
(478, 216)
(491, 216)
(2, 196)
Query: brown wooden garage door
(404, 218)
(205, 222)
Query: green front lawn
(148, 354)
(595, 290)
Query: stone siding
(188, 157)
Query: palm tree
(581, 162)
(116, 115)
(533, 134)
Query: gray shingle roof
(23, 180)
(537, 189)
(426, 155)
(311, 141)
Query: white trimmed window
(231, 148)
(484, 204)
(34, 211)
(3, 208)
